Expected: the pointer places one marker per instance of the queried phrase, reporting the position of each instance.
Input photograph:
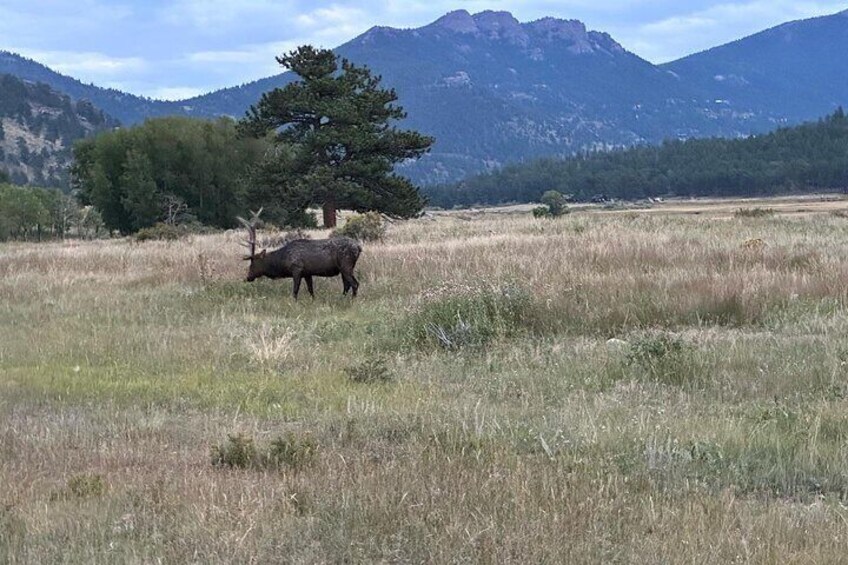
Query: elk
(302, 259)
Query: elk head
(256, 259)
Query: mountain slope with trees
(38, 127)
(807, 158)
(492, 90)
(495, 91)
(791, 72)
(127, 108)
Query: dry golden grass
(716, 432)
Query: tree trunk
(330, 213)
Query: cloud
(221, 15)
(676, 36)
(168, 47)
(85, 66)
(175, 93)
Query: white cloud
(168, 47)
(676, 36)
(175, 92)
(85, 66)
(216, 16)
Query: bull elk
(303, 259)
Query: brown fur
(303, 259)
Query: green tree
(141, 199)
(21, 212)
(806, 158)
(336, 142)
(136, 176)
(555, 202)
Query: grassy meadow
(625, 387)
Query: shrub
(664, 358)
(753, 212)
(555, 202)
(160, 232)
(81, 486)
(363, 227)
(84, 486)
(239, 452)
(278, 240)
(372, 370)
(541, 212)
(291, 451)
(554, 205)
(298, 219)
(453, 317)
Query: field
(633, 386)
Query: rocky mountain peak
(501, 25)
(555, 28)
(459, 21)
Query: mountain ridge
(38, 126)
(494, 90)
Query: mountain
(493, 90)
(810, 158)
(788, 73)
(128, 108)
(37, 129)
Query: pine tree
(336, 142)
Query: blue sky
(181, 48)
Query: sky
(180, 48)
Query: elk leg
(296, 284)
(308, 280)
(354, 284)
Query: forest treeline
(183, 171)
(806, 158)
(33, 214)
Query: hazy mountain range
(493, 90)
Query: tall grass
(465, 407)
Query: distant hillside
(792, 72)
(807, 158)
(127, 108)
(495, 91)
(37, 129)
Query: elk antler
(251, 232)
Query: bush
(753, 212)
(664, 358)
(81, 486)
(291, 219)
(240, 452)
(541, 212)
(372, 370)
(84, 486)
(160, 232)
(454, 317)
(363, 227)
(554, 205)
(291, 451)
